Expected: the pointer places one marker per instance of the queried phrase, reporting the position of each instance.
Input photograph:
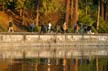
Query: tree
(51, 10)
(102, 8)
(20, 6)
(2, 3)
(74, 11)
(75, 14)
(67, 11)
(106, 10)
(37, 12)
(98, 15)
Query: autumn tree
(74, 11)
(51, 10)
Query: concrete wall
(15, 45)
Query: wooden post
(76, 64)
(97, 64)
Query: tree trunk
(86, 7)
(75, 11)
(37, 17)
(21, 12)
(98, 16)
(71, 11)
(102, 8)
(1, 6)
(67, 11)
(106, 12)
(37, 11)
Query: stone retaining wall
(14, 45)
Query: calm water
(44, 64)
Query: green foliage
(103, 26)
(20, 4)
(86, 20)
(2, 29)
(37, 28)
(29, 4)
(51, 10)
